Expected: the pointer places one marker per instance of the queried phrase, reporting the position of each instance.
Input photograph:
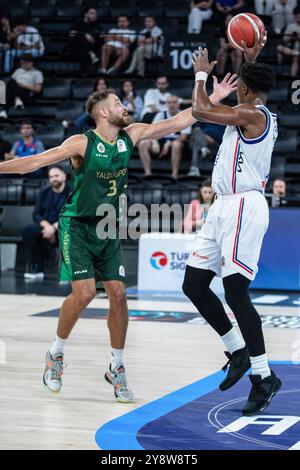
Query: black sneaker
(261, 393)
(239, 363)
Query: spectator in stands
(226, 51)
(150, 44)
(27, 146)
(117, 46)
(264, 7)
(155, 99)
(198, 209)
(204, 137)
(172, 144)
(200, 11)
(26, 82)
(131, 100)
(27, 41)
(84, 39)
(45, 217)
(283, 14)
(290, 46)
(6, 36)
(278, 192)
(85, 120)
(224, 7)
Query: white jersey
(244, 164)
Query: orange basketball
(244, 27)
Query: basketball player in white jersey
(230, 242)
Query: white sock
(260, 366)
(57, 345)
(116, 357)
(233, 341)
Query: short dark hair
(206, 183)
(296, 11)
(96, 98)
(57, 167)
(279, 178)
(26, 122)
(258, 77)
(27, 58)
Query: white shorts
(231, 238)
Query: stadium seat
(287, 142)
(10, 191)
(279, 93)
(13, 219)
(290, 116)
(81, 89)
(12, 133)
(42, 12)
(33, 112)
(55, 27)
(19, 11)
(68, 110)
(56, 88)
(116, 11)
(155, 11)
(69, 11)
(32, 189)
(51, 134)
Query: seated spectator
(223, 7)
(85, 121)
(204, 135)
(200, 11)
(283, 14)
(27, 146)
(198, 209)
(290, 46)
(131, 100)
(264, 7)
(278, 192)
(5, 36)
(171, 144)
(27, 41)
(116, 46)
(150, 44)
(84, 39)
(25, 83)
(155, 99)
(45, 218)
(227, 51)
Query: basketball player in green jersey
(100, 159)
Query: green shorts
(83, 255)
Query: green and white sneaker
(52, 377)
(117, 378)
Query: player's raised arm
(72, 147)
(243, 115)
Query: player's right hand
(251, 53)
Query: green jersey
(102, 176)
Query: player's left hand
(251, 53)
(225, 87)
(201, 62)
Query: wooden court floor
(160, 358)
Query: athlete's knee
(196, 284)
(85, 294)
(236, 289)
(117, 294)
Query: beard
(56, 184)
(120, 122)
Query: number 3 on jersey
(112, 188)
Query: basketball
(244, 27)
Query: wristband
(201, 76)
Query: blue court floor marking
(121, 433)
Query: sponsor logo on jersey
(101, 147)
(80, 272)
(196, 255)
(122, 271)
(121, 145)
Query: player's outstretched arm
(72, 147)
(243, 115)
(159, 129)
